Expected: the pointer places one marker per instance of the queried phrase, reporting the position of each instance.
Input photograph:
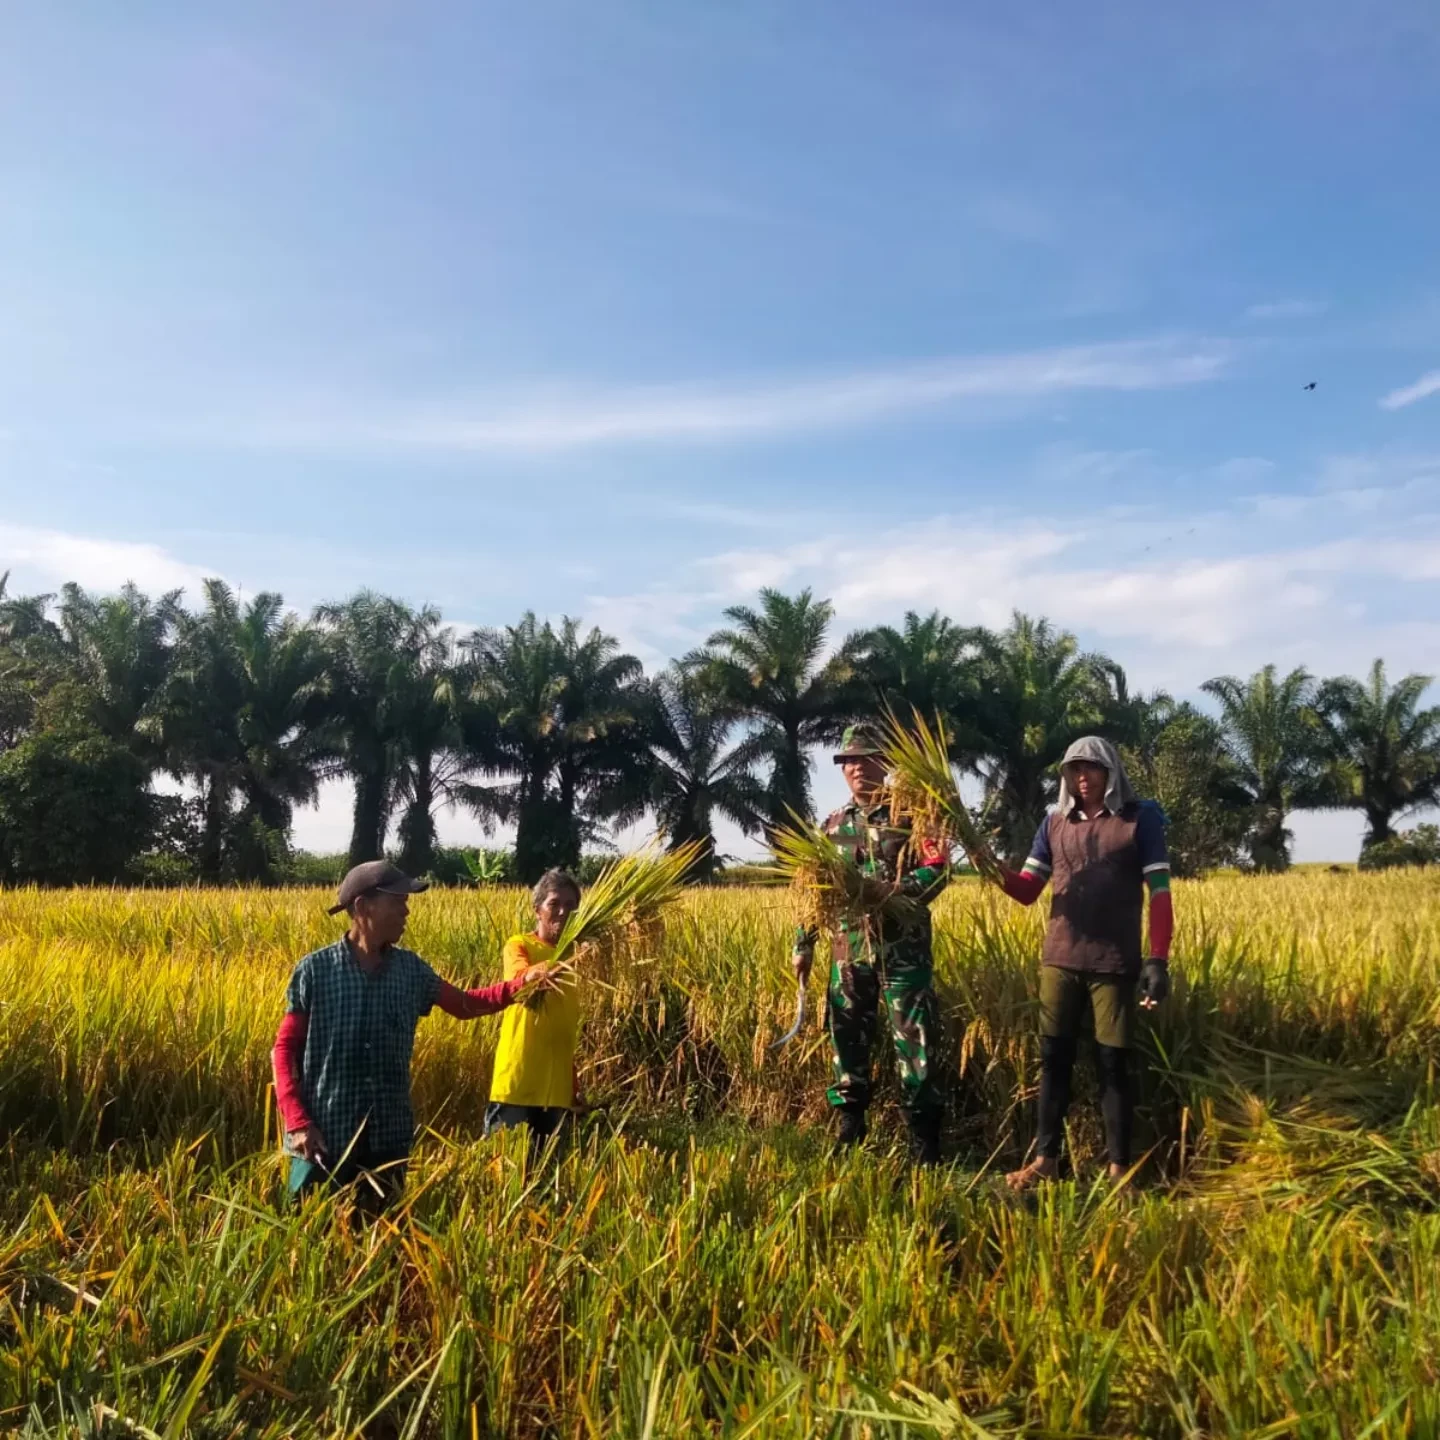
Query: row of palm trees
(554, 730)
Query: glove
(1154, 983)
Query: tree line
(556, 731)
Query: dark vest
(1097, 894)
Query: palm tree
(601, 751)
(1275, 739)
(692, 777)
(118, 648)
(245, 716)
(561, 714)
(374, 646)
(768, 666)
(433, 760)
(929, 665)
(1180, 760)
(31, 658)
(1036, 693)
(1386, 747)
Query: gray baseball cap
(375, 877)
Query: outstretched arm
(1025, 886)
(1027, 883)
(484, 999)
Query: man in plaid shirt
(342, 1053)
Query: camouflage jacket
(878, 849)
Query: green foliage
(1277, 745)
(693, 776)
(555, 731)
(769, 666)
(373, 646)
(1384, 747)
(1187, 769)
(1035, 693)
(303, 867)
(244, 714)
(1420, 846)
(929, 666)
(73, 807)
(564, 713)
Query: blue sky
(624, 309)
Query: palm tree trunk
(567, 851)
(212, 834)
(417, 828)
(367, 837)
(696, 827)
(789, 785)
(1377, 826)
(1269, 840)
(1022, 807)
(532, 825)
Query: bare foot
(1029, 1176)
(1118, 1173)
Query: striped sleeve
(1040, 861)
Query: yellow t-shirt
(535, 1060)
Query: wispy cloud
(42, 560)
(1176, 599)
(1428, 384)
(713, 415)
(1286, 310)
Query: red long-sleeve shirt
(288, 1056)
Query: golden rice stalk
(828, 886)
(925, 795)
(623, 907)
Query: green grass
(698, 1262)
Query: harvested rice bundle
(621, 910)
(924, 794)
(828, 886)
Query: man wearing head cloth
(342, 1054)
(880, 956)
(1100, 848)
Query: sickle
(794, 1030)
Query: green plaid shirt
(358, 1042)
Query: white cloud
(1428, 384)
(676, 413)
(42, 560)
(1285, 310)
(1175, 600)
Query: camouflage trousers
(853, 998)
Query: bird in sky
(1312, 385)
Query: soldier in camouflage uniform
(879, 954)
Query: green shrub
(1420, 846)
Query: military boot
(925, 1136)
(852, 1127)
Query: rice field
(698, 1262)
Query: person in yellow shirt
(534, 1081)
